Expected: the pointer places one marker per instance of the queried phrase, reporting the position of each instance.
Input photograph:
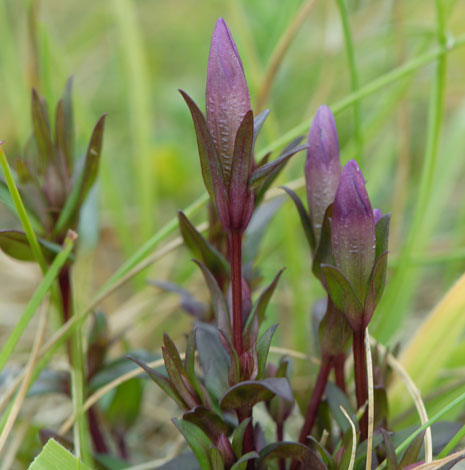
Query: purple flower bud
(353, 238)
(377, 214)
(322, 167)
(227, 95)
(226, 450)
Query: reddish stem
(361, 381)
(235, 253)
(98, 440)
(339, 362)
(249, 439)
(315, 400)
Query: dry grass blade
(294, 354)
(354, 438)
(414, 393)
(371, 401)
(27, 378)
(437, 464)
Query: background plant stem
(361, 383)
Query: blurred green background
(129, 57)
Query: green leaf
(202, 249)
(259, 309)
(241, 464)
(263, 348)
(197, 440)
(305, 219)
(55, 457)
(376, 286)
(291, 450)
(64, 126)
(189, 364)
(248, 393)
(343, 295)
(382, 235)
(207, 420)
(337, 398)
(42, 133)
(412, 452)
(238, 437)
(215, 459)
(324, 454)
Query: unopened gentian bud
(377, 214)
(227, 95)
(322, 167)
(353, 238)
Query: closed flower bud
(353, 239)
(322, 167)
(227, 95)
(226, 450)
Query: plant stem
(98, 440)
(280, 438)
(249, 440)
(361, 382)
(235, 253)
(339, 362)
(315, 400)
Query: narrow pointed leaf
(189, 364)
(238, 437)
(262, 172)
(412, 453)
(382, 235)
(197, 440)
(41, 127)
(391, 457)
(258, 124)
(263, 348)
(343, 295)
(376, 285)
(162, 381)
(218, 301)
(259, 309)
(304, 218)
(215, 459)
(337, 398)
(207, 420)
(323, 253)
(201, 248)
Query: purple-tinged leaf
(412, 453)
(278, 408)
(212, 172)
(391, 457)
(197, 440)
(208, 421)
(263, 348)
(227, 95)
(42, 133)
(376, 286)
(337, 398)
(304, 218)
(227, 453)
(64, 129)
(188, 302)
(176, 372)
(382, 234)
(323, 254)
(343, 295)
(202, 249)
(307, 458)
(62, 151)
(213, 358)
(241, 167)
(234, 374)
(162, 381)
(262, 172)
(259, 309)
(322, 166)
(238, 437)
(353, 238)
(248, 393)
(218, 301)
(258, 124)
